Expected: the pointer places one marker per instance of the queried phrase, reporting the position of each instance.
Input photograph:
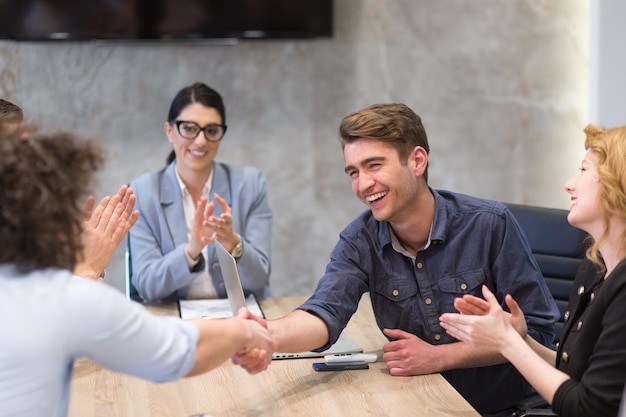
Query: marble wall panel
(502, 88)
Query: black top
(592, 350)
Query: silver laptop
(343, 345)
(234, 290)
(236, 298)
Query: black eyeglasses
(190, 130)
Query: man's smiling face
(380, 180)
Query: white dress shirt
(201, 287)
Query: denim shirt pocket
(396, 290)
(456, 285)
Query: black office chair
(559, 249)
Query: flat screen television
(38, 20)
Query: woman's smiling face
(193, 155)
(583, 189)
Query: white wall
(608, 63)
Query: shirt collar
(438, 228)
(397, 246)
(206, 190)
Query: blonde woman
(585, 376)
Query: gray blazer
(156, 242)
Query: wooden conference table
(287, 388)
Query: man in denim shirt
(415, 250)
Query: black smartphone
(325, 367)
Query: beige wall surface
(502, 87)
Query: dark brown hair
(195, 93)
(44, 180)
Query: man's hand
(409, 355)
(103, 230)
(253, 360)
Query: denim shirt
(472, 242)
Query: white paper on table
(214, 308)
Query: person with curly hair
(104, 226)
(585, 375)
(52, 317)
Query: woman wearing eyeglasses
(193, 201)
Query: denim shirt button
(464, 286)
(395, 293)
(428, 301)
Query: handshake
(256, 354)
(245, 338)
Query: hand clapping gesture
(103, 230)
(208, 228)
(484, 322)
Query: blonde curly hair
(609, 145)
